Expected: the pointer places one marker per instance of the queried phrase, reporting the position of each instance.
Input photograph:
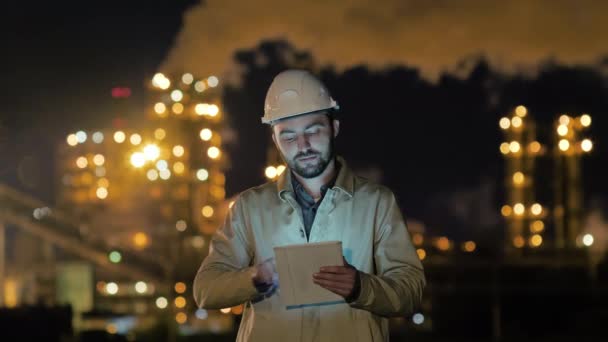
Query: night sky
(421, 87)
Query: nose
(303, 143)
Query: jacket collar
(344, 182)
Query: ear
(336, 124)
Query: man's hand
(342, 280)
(264, 275)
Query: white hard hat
(295, 92)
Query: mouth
(307, 159)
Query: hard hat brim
(328, 109)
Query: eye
(313, 131)
(289, 138)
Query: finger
(334, 277)
(333, 284)
(335, 269)
(337, 291)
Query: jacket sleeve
(396, 287)
(224, 278)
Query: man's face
(306, 142)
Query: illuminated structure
(525, 217)
(157, 190)
(570, 145)
(523, 214)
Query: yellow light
(164, 174)
(536, 240)
(103, 183)
(586, 120)
(564, 120)
(588, 240)
(180, 287)
(151, 152)
(157, 79)
(535, 147)
(99, 159)
(206, 134)
(160, 108)
(97, 137)
(562, 130)
(212, 81)
(421, 253)
(213, 110)
(187, 78)
(160, 134)
(119, 137)
(270, 172)
(177, 108)
(165, 83)
(135, 139)
(519, 241)
(72, 140)
(237, 310)
(519, 209)
(177, 95)
(11, 293)
(225, 310)
(521, 111)
(417, 239)
(162, 165)
(138, 159)
(516, 122)
(180, 302)
(505, 148)
(518, 178)
(81, 136)
(161, 302)
(112, 288)
(201, 109)
(469, 246)
(506, 210)
(178, 167)
(537, 226)
(181, 318)
(213, 152)
(586, 145)
(111, 329)
(152, 174)
(230, 204)
(536, 209)
(280, 169)
(514, 146)
(82, 162)
(504, 123)
(178, 150)
(207, 211)
(140, 240)
(202, 174)
(443, 243)
(200, 86)
(564, 145)
(102, 193)
(181, 225)
(141, 287)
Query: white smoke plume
(433, 35)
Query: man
(317, 199)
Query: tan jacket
(375, 240)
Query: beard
(310, 168)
